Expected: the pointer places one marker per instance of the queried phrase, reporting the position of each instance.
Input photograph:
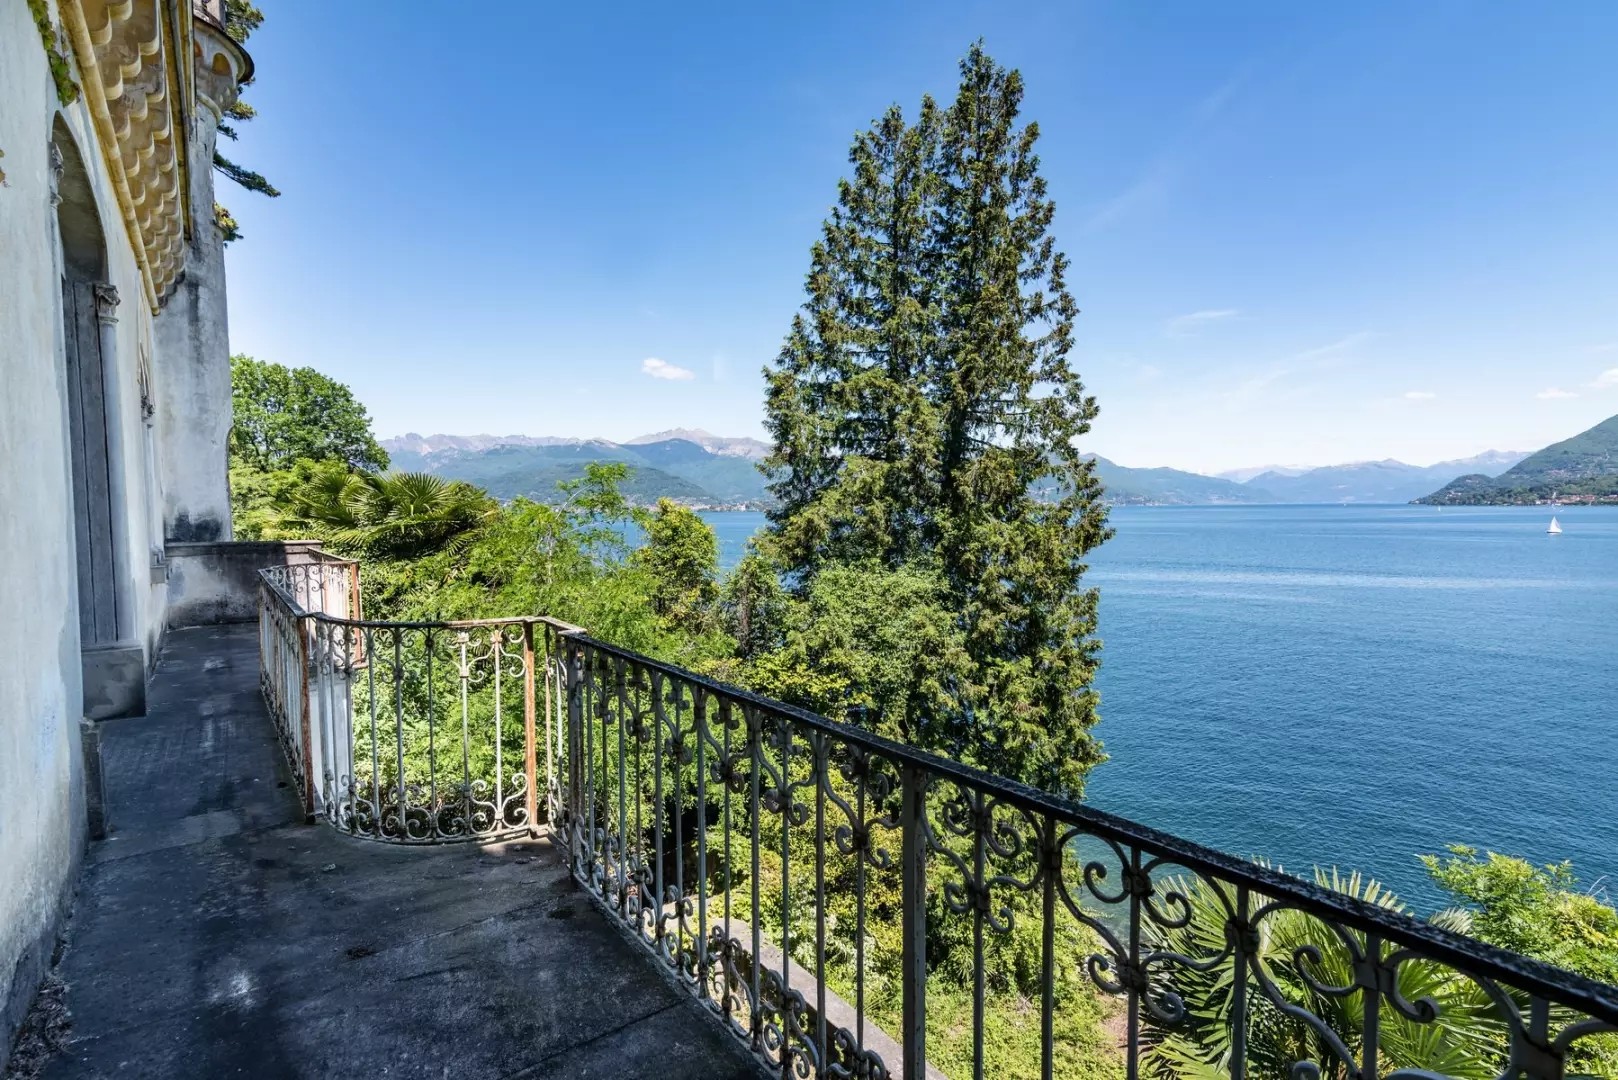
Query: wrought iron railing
(410, 732)
(817, 886)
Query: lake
(1355, 685)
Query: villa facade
(115, 365)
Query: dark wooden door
(92, 503)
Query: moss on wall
(67, 91)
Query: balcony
(505, 848)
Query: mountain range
(685, 464)
(1583, 468)
(1356, 482)
(705, 470)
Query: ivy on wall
(67, 91)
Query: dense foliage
(282, 415)
(1538, 911)
(924, 414)
(1506, 901)
(1304, 957)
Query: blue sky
(1300, 233)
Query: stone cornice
(221, 66)
(140, 62)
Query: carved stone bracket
(106, 303)
(58, 167)
(143, 379)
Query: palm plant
(391, 515)
(1304, 967)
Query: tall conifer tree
(847, 400)
(925, 413)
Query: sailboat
(1555, 528)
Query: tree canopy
(281, 415)
(924, 414)
(1538, 911)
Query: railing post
(530, 757)
(308, 738)
(354, 591)
(913, 922)
(574, 666)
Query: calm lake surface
(1356, 685)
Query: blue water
(1356, 685)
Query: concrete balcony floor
(217, 935)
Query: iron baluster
(913, 921)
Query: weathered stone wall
(193, 345)
(218, 583)
(41, 811)
(49, 679)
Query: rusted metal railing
(411, 732)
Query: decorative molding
(143, 379)
(136, 63)
(220, 67)
(58, 168)
(106, 303)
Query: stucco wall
(193, 356)
(218, 583)
(42, 824)
(40, 820)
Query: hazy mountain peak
(689, 434)
(413, 443)
(725, 446)
(1243, 475)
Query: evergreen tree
(241, 18)
(753, 605)
(853, 465)
(924, 412)
(681, 556)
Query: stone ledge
(214, 582)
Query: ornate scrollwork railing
(811, 882)
(409, 732)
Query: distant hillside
(533, 466)
(1584, 467)
(1375, 481)
(1171, 487)
(700, 469)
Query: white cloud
(662, 369)
(1183, 325)
(1342, 345)
(1553, 393)
(1419, 395)
(1606, 379)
